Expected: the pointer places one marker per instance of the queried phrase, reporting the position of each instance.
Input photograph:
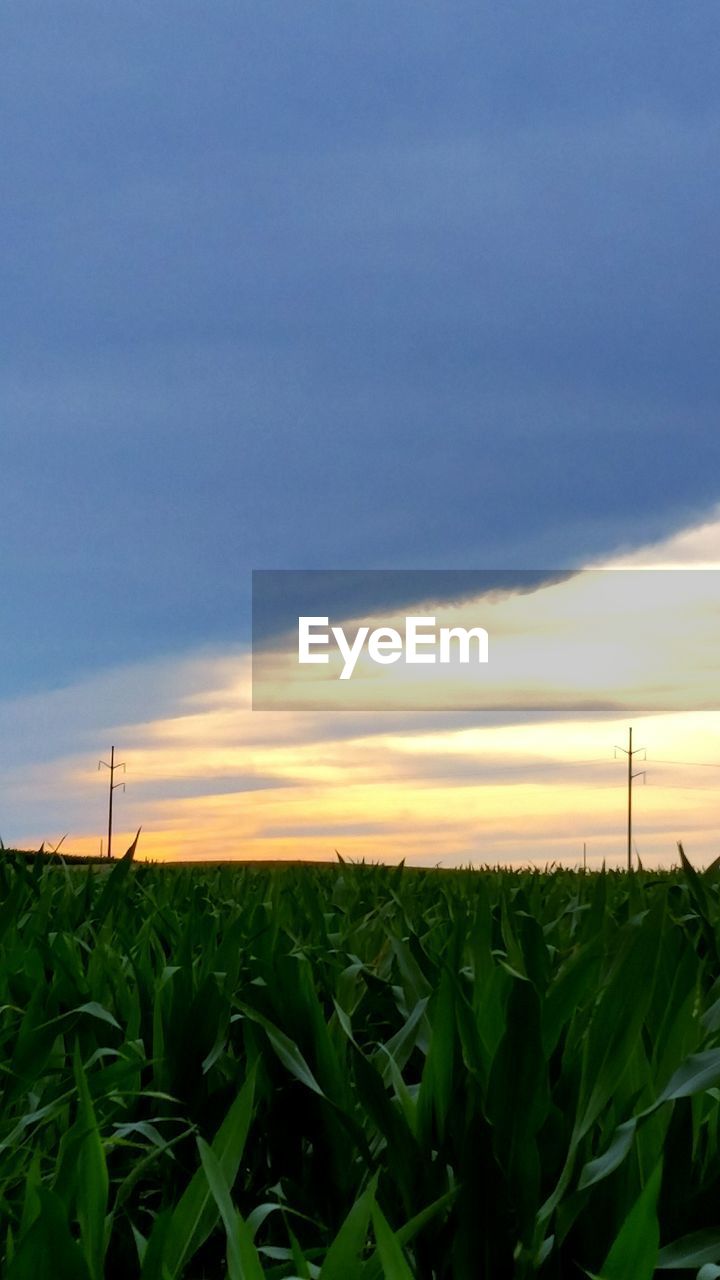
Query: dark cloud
(281, 597)
(339, 286)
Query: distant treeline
(41, 855)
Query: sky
(337, 286)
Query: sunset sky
(354, 287)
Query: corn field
(358, 1072)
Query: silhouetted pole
(112, 774)
(112, 766)
(629, 752)
(630, 778)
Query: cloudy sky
(363, 285)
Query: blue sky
(337, 285)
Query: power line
(695, 764)
(662, 785)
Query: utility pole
(629, 752)
(584, 856)
(112, 766)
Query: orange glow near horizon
(210, 779)
(510, 794)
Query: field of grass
(358, 1072)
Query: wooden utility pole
(112, 766)
(629, 752)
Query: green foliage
(357, 1073)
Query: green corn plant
(353, 1072)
